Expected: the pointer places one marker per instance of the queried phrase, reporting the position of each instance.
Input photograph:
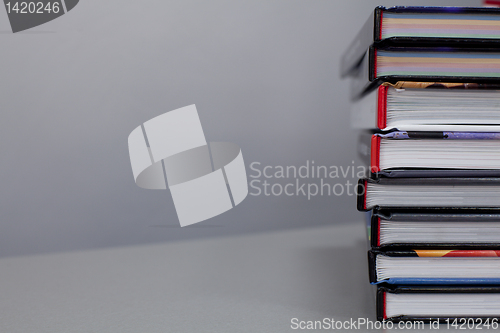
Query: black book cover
(382, 290)
(373, 157)
(370, 34)
(437, 216)
(365, 78)
(362, 189)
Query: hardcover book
(433, 267)
(393, 64)
(445, 154)
(429, 106)
(439, 302)
(429, 193)
(417, 26)
(441, 229)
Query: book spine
(375, 155)
(381, 301)
(372, 266)
(378, 16)
(361, 193)
(378, 231)
(375, 231)
(494, 3)
(384, 305)
(372, 64)
(382, 107)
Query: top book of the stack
(425, 27)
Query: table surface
(249, 283)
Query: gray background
(263, 74)
(244, 283)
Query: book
(401, 229)
(425, 86)
(429, 303)
(437, 153)
(436, 266)
(429, 106)
(433, 64)
(417, 26)
(429, 193)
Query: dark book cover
(431, 253)
(436, 216)
(361, 191)
(383, 290)
(365, 77)
(371, 33)
(408, 172)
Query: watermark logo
(28, 14)
(205, 179)
(308, 180)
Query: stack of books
(426, 87)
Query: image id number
(32, 7)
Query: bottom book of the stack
(444, 303)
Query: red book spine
(384, 305)
(382, 107)
(494, 3)
(375, 154)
